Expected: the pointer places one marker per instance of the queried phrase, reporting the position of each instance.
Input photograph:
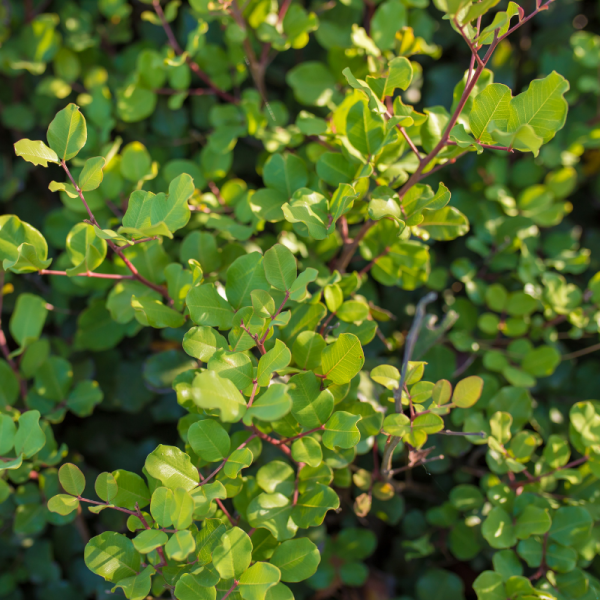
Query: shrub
(220, 378)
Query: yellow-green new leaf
(342, 360)
(67, 133)
(36, 152)
(154, 313)
(91, 176)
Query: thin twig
(423, 462)
(409, 345)
(471, 47)
(157, 288)
(87, 274)
(191, 63)
(230, 590)
(515, 485)
(346, 257)
(582, 352)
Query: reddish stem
(88, 274)
(191, 63)
(519, 484)
(157, 288)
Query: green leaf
(85, 249)
(556, 451)
(387, 376)
(271, 405)
(478, 10)
(311, 407)
(54, 378)
(365, 131)
(211, 392)
(72, 479)
(182, 509)
(429, 423)
(341, 431)
(257, 580)
(285, 173)
(313, 505)
(375, 103)
(67, 133)
(203, 342)
(571, 525)
(343, 359)
(245, 275)
(188, 587)
(131, 490)
(532, 521)
(36, 152)
(276, 477)
(280, 267)
(23, 248)
(389, 17)
(309, 209)
(149, 540)
(9, 392)
(149, 214)
(275, 359)
(542, 361)
(28, 319)
(307, 450)
(161, 506)
(238, 460)
(466, 497)
(63, 504)
(396, 424)
(334, 168)
(91, 175)
(106, 487)
(172, 467)
(30, 437)
(154, 313)
(296, 559)
(489, 585)
(444, 224)
(490, 107)
(467, 391)
(353, 311)
(273, 512)
(462, 139)
(84, 397)
(233, 555)
(180, 545)
(307, 349)
(235, 366)
(267, 203)
(209, 440)
(498, 529)
(542, 106)
(207, 307)
(434, 127)
(112, 556)
(11, 464)
(312, 83)
(399, 76)
(8, 430)
(208, 538)
(524, 139)
(136, 587)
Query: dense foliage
(299, 300)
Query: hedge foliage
(297, 299)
